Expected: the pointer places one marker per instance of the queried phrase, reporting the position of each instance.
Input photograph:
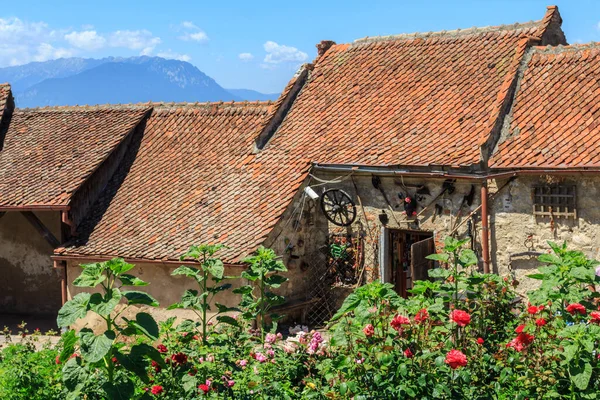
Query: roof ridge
(146, 105)
(450, 33)
(573, 47)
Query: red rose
(179, 358)
(540, 322)
(204, 388)
(521, 341)
(57, 360)
(398, 321)
(576, 308)
(155, 366)
(369, 330)
(157, 389)
(532, 310)
(455, 359)
(480, 341)
(421, 316)
(161, 348)
(461, 317)
(595, 317)
(520, 328)
(408, 353)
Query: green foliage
(199, 301)
(566, 277)
(257, 298)
(460, 335)
(95, 364)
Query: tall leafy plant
(199, 301)
(99, 354)
(258, 298)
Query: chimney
(324, 46)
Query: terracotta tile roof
(191, 179)
(49, 152)
(195, 175)
(555, 118)
(416, 99)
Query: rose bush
(462, 334)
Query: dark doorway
(408, 250)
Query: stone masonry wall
(512, 222)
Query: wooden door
(419, 265)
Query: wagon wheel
(338, 207)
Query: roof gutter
(392, 171)
(35, 208)
(386, 171)
(134, 260)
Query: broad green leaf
(581, 374)
(136, 297)
(215, 267)
(536, 276)
(122, 390)
(105, 305)
(136, 362)
(227, 320)
(442, 257)
(350, 304)
(275, 281)
(189, 383)
(190, 272)
(69, 340)
(220, 288)
(74, 309)
(91, 276)
(119, 266)
(187, 326)
(94, 348)
(146, 325)
(223, 308)
(74, 374)
(130, 280)
(250, 275)
(468, 257)
(583, 274)
(246, 289)
(549, 258)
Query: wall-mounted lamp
(311, 193)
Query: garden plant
(460, 335)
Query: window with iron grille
(555, 201)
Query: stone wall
(513, 222)
(29, 283)
(370, 227)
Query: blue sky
(249, 44)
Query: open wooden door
(419, 264)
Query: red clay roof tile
(394, 100)
(555, 119)
(49, 152)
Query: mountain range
(71, 81)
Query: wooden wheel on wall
(338, 207)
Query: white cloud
(278, 53)
(46, 51)
(189, 25)
(246, 56)
(193, 33)
(23, 41)
(142, 40)
(174, 56)
(86, 40)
